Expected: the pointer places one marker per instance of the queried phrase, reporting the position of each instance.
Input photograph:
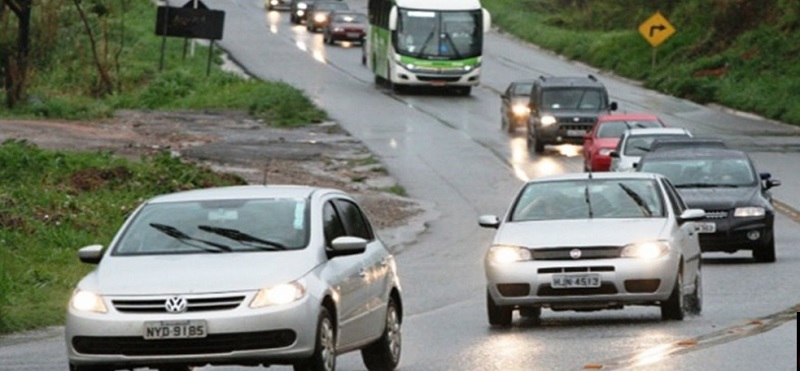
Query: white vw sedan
(250, 275)
(594, 241)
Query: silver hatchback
(593, 241)
(250, 275)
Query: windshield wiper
(641, 148)
(240, 236)
(453, 44)
(186, 239)
(425, 43)
(586, 196)
(696, 185)
(637, 198)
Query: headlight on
(278, 295)
(86, 301)
(520, 110)
(300, 13)
(338, 29)
(302, 6)
(320, 17)
(743, 212)
(467, 68)
(548, 120)
(645, 250)
(501, 254)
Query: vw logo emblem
(575, 253)
(175, 304)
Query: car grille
(728, 242)
(581, 120)
(642, 286)
(157, 305)
(716, 214)
(514, 289)
(563, 253)
(218, 343)
(440, 78)
(552, 270)
(606, 288)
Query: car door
(686, 235)
(505, 105)
(376, 260)
(347, 278)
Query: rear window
(615, 129)
(640, 144)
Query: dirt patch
(233, 142)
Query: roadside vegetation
(740, 54)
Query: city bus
(426, 43)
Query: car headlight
(604, 151)
(338, 29)
(502, 254)
(302, 6)
(320, 17)
(520, 110)
(645, 250)
(87, 301)
(548, 120)
(743, 212)
(300, 13)
(278, 295)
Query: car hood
(605, 143)
(583, 232)
(720, 198)
(576, 113)
(196, 273)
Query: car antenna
(586, 195)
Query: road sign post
(656, 30)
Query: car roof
(240, 193)
(525, 81)
(627, 117)
(599, 176)
(696, 153)
(676, 143)
(656, 131)
(569, 81)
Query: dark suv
(563, 109)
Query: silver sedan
(250, 275)
(594, 241)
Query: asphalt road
(450, 151)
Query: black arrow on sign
(653, 29)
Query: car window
(350, 18)
(576, 199)
(522, 89)
(615, 129)
(638, 145)
(331, 6)
(678, 206)
(216, 226)
(704, 172)
(571, 99)
(355, 222)
(332, 223)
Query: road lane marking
(683, 346)
(787, 210)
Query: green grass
(52, 203)
(743, 58)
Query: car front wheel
(499, 315)
(766, 252)
(324, 357)
(384, 354)
(674, 308)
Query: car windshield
(571, 99)
(703, 172)
(439, 34)
(615, 129)
(583, 199)
(638, 145)
(331, 6)
(220, 226)
(522, 89)
(350, 18)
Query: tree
(16, 63)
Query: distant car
(723, 182)
(585, 241)
(250, 275)
(318, 14)
(636, 142)
(605, 135)
(298, 10)
(278, 4)
(514, 108)
(345, 26)
(669, 144)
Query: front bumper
(734, 234)
(560, 133)
(242, 335)
(404, 76)
(624, 281)
(348, 36)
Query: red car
(604, 136)
(345, 26)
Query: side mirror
(91, 254)
(635, 165)
(489, 221)
(347, 245)
(393, 19)
(764, 176)
(771, 183)
(612, 106)
(613, 154)
(487, 20)
(692, 215)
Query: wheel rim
(326, 344)
(393, 334)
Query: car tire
(535, 144)
(695, 302)
(324, 357)
(674, 307)
(531, 314)
(766, 252)
(463, 91)
(384, 353)
(499, 315)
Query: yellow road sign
(656, 29)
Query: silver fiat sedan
(248, 275)
(591, 241)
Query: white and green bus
(426, 42)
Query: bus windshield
(439, 34)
